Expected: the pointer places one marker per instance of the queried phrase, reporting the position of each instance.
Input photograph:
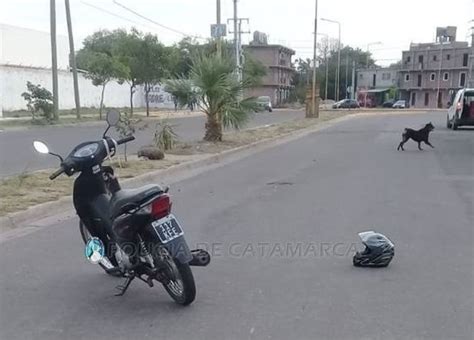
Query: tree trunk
(132, 91)
(101, 101)
(147, 91)
(213, 129)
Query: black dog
(417, 135)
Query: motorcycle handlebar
(56, 173)
(125, 140)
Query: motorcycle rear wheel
(181, 286)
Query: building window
(427, 98)
(448, 56)
(386, 76)
(462, 79)
(408, 59)
(419, 80)
(407, 77)
(464, 59)
(435, 58)
(432, 76)
(445, 76)
(420, 59)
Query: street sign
(218, 30)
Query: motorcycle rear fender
(178, 248)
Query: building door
(440, 100)
(413, 99)
(374, 78)
(427, 98)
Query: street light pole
(326, 62)
(314, 112)
(336, 92)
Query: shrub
(39, 101)
(165, 137)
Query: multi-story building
(431, 72)
(374, 84)
(277, 60)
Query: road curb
(32, 217)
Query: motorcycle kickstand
(123, 287)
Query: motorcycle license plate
(167, 228)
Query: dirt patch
(244, 137)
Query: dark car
(346, 104)
(389, 103)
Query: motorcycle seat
(127, 199)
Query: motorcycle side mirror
(40, 147)
(43, 148)
(113, 117)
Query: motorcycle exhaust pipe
(201, 258)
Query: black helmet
(379, 250)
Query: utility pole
(73, 60)
(338, 70)
(218, 21)
(237, 44)
(347, 70)
(54, 58)
(315, 111)
(353, 80)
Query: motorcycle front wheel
(180, 285)
(108, 261)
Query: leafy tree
(101, 69)
(39, 100)
(215, 89)
(153, 66)
(126, 127)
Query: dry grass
(244, 137)
(22, 191)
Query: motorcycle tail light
(161, 207)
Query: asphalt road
(18, 155)
(317, 192)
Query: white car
(399, 104)
(461, 110)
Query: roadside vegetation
(28, 189)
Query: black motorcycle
(140, 237)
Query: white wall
(13, 83)
(26, 47)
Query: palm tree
(213, 86)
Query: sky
(394, 23)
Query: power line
(113, 14)
(155, 22)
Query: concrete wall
(13, 84)
(384, 78)
(31, 48)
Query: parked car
(461, 110)
(389, 103)
(265, 103)
(399, 104)
(346, 104)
